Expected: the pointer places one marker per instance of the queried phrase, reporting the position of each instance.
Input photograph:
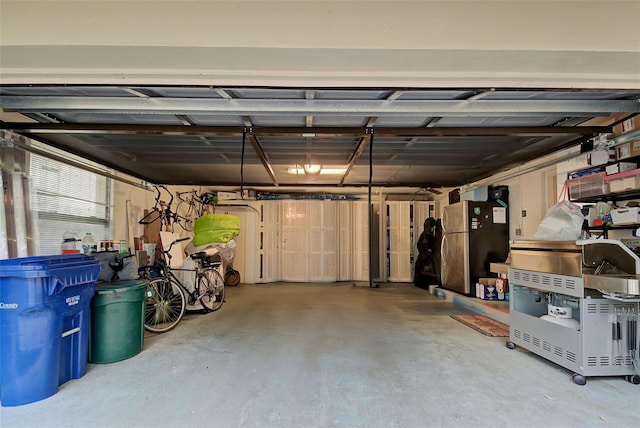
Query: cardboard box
(502, 286)
(628, 125)
(486, 289)
(620, 167)
(628, 150)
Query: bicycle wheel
(164, 305)
(211, 289)
(186, 215)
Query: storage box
(588, 186)
(624, 181)
(502, 285)
(627, 215)
(632, 124)
(598, 157)
(628, 150)
(486, 289)
(620, 167)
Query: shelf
(613, 227)
(618, 196)
(607, 227)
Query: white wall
(548, 43)
(532, 188)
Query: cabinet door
(322, 241)
(295, 241)
(345, 241)
(399, 241)
(270, 241)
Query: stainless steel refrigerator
(475, 234)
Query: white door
(360, 239)
(322, 241)
(399, 241)
(295, 241)
(345, 243)
(269, 241)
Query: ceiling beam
(117, 129)
(257, 147)
(362, 144)
(315, 107)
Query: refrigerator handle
(444, 247)
(444, 221)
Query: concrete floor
(326, 355)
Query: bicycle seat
(205, 254)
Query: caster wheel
(510, 345)
(579, 379)
(634, 379)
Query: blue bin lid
(64, 269)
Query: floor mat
(484, 325)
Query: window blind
(69, 199)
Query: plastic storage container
(624, 181)
(70, 244)
(588, 186)
(44, 324)
(117, 321)
(89, 244)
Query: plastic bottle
(70, 243)
(89, 244)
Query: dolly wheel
(510, 345)
(579, 379)
(634, 379)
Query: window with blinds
(69, 199)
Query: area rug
(484, 325)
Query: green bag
(219, 228)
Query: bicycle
(162, 211)
(193, 206)
(167, 297)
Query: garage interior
(392, 101)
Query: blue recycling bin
(44, 324)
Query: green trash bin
(117, 321)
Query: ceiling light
(312, 169)
(297, 170)
(333, 171)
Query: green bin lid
(104, 287)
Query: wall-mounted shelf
(607, 227)
(618, 196)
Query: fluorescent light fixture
(333, 171)
(311, 169)
(297, 170)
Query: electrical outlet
(524, 213)
(518, 232)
